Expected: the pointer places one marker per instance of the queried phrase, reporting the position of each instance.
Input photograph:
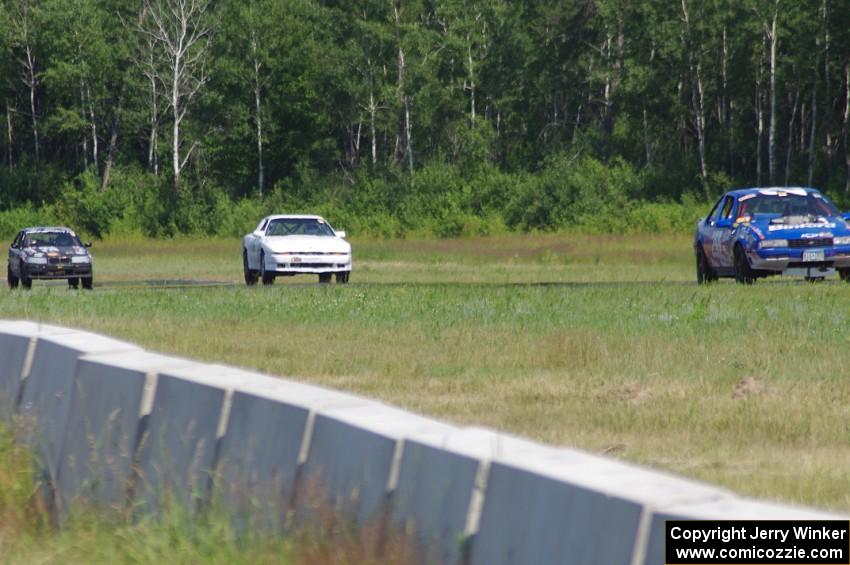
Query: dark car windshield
(52, 239)
(299, 226)
(783, 204)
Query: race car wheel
(10, 278)
(73, 282)
(26, 281)
(87, 282)
(250, 275)
(705, 274)
(267, 278)
(342, 278)
(743, 272)
(844, 274)
(324, 278)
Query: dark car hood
(802, 227)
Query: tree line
(407, 102)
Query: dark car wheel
(844, 274)
(73, 282)
(26, 281)
(250, 275)
(267, 278)
(324, 278)
(743, 272)
(10, 278)
(87, 282)
(705, 274)
(342, 278)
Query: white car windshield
(299, 226)
(787, 204)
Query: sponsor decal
(780, 227)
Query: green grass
(602, 343)
(176, 536)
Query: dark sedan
(49, 253)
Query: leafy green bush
(11, 221)
(574, 191)
(442, 199)
(84, 207)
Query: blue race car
(758, 232)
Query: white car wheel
(250, 275)
(267, 278)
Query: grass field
(602, 343)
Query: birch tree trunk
(403, 97)
(258, 118)
(153, 141)
(85, 140)
(725, 112)
(606, 93)
(697, 97)
(846, 125)
(93, 126)
(826, 77)
(814, 117)
(150, 71)
(699, 110)
(177, 114)
(471, 81)
(31, 81)
(771, 136)
(791, 137)
(179, 31)
(759, 128)
(9, 137)
(373, 108)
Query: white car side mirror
(340, 234)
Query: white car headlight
(768, 243)
(841, 240)
(84, 259)
(37, 260)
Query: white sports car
(295, 244)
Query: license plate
(813, 255)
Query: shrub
(11, 221)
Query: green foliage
(438, 118)
(570, 193)
(11, 221)
(83, 206)
(575, 191)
